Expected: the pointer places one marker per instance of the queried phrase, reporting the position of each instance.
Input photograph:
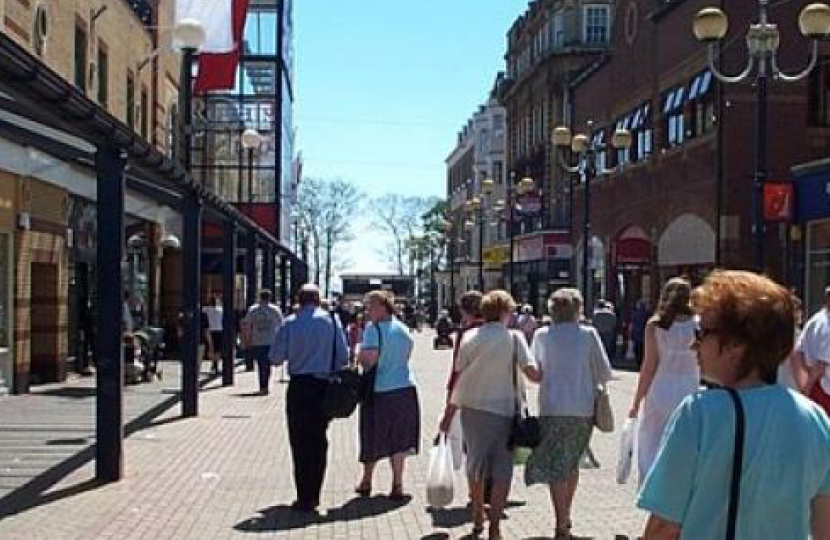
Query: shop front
(812, 215)
(7, 226)
(542, 263)
(631, 262)
(495, 260)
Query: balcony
(143, 9)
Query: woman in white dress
(670, 371)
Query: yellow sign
(496, 255)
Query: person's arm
(278, 352)
(820, 517)
(658, 528)
(647, 371)
(530, 369)
(370, 347)
(799, 368)
(341, 348)
(815, 371)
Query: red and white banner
(224, 22)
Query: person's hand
(446, 422)
(634, 411)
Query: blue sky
(383, 87)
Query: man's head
(309, 295)
(265, 296)
(470, 304)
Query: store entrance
(47, 366)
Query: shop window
(558, 30)
(819, 94)
(5, 270)
(145, 113)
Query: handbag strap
(737, 464)
(515, 370)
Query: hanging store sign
(778, 201)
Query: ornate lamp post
(514, 189)
(762, 39)
(583, 161)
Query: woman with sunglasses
(670, 371)
(745, 330)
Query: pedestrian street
(227, 474)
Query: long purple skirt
(390, 423)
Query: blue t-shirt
(786, 462)
(395, 347)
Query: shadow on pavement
(449, 518)
(284, 518)
(36, 493)
(67, 392)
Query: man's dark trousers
(307, 427)
(260, 354)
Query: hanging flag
(224, 22)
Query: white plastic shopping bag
(440, 474)
(626, 457)
(455, 437)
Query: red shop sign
(778, 201)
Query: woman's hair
(674, 300)
(564, 305)
(751, 310)
(383, 298)
(471, 303)
(496, 304)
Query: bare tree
(310, 198)
(400, 217)
(340, 204)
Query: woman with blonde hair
(486, 393)
(573, 363)
(669, 372)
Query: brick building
(115, 53)
(546, 46)
(681, 204)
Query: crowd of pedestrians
(731, 402)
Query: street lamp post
(191, 34)
(251, 141)
(584, 149)
(762, 38)
(525, 185)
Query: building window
(702, 118)
(103, 75)
(598, 142)
(145, 113)
(595, 24)
(641, 132)
(172, 133)
(130, 100)
(674, 123)
(819, 94)
(80, 57)
(5, 269)
(558, 30)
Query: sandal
(364, 490)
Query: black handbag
(342, 393)
(367, 379)
(526, 431)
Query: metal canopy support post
(228, 302)
(191, 287)
(269, 268)
(250, 269)
(109, 167)
(284, 293)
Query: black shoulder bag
(526, 431)
(340, 399)
(367, 380)
(737, 464)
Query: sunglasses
(701, 332)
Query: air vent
(41, 29)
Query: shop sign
(778, 201)
(549, 246)
(495, 255)
(529, 204)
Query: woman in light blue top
(389, 413)
(745, 329)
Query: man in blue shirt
(313, 343)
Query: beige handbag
(603, 413)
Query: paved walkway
(227, 474)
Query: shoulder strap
(380, 340)
(737, 465)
